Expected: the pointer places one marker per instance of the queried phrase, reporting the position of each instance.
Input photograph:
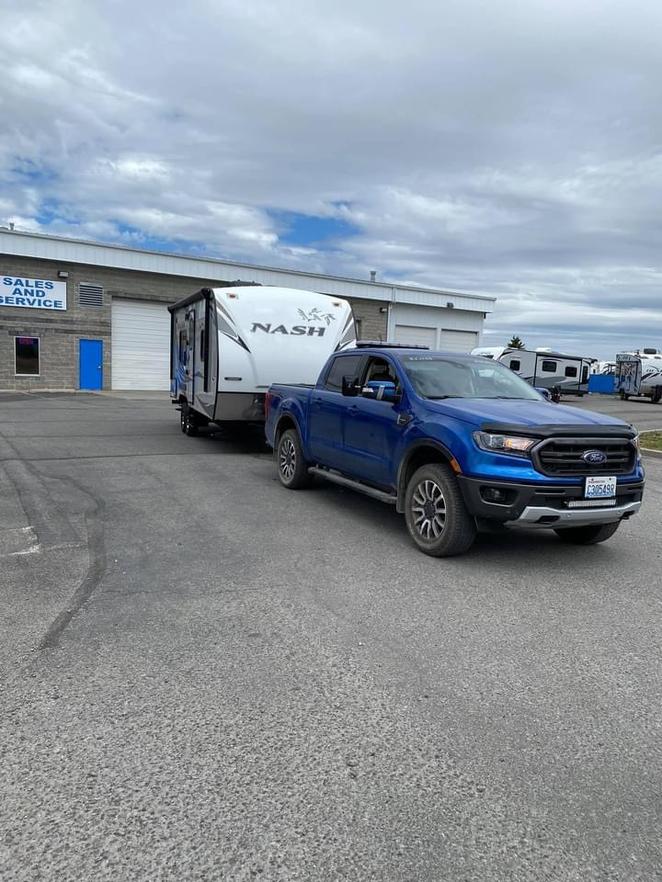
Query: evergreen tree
(516, 343)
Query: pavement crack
(96, 548)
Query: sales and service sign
(32, 293)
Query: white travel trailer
(228, 345)
(639, 373)
(543, 368)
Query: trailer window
(343, 366)
(27, 356)
(571, 372)
(515, 364)
(549, 367)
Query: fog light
(493, 494)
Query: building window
(90, 295)
(571, 372)
(514, 363)
(549, 367)
(27, 356)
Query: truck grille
(563, 456)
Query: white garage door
(416, 336)
(458, 341)
(140, 345)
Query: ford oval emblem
(594, 457)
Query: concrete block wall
(371, 323)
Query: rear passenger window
(549, 367)
(343, 366)
(571, 372)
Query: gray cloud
(503, 148)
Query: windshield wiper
(441, 397)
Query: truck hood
(527, 414)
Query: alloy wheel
(428, 507)
(287, 459)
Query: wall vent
(90, 295)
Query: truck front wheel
(292, 467)
(587, 535)
(437, 518)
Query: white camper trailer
(639, 373)
(543, 368)
(228, 345)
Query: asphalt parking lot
(204, 676)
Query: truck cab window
(342, 366)
(380, 369)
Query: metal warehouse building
(82, 315)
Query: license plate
(600, 488)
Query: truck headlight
(504, 443)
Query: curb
(656, 454)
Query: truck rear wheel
(590, 535)
(292, 467)
(436, 516)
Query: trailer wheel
(657, 395)
(624, 397)
(188, 421)
(292, 467)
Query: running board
(354, 485)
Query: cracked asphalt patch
(242, 682)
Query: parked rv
(639, 373)
(228, 345)
(543, 369)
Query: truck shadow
(523, 550)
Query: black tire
(188, 420)
(436, 516)
(290, 463)
(624, 397)
(590, 535)
(657, 395)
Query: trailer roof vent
(90, 295)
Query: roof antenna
(373, 275)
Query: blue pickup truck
(457, 443)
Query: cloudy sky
(509, 148)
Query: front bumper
(544, 505)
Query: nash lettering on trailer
(295, 330)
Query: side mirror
(350, 387)
(546, 394)
(381, 390)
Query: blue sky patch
(310, 230)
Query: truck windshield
(437, 377)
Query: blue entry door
(91, 364)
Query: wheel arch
(420, 454)
(286, 421)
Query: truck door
(371, 431)
(326, 411)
